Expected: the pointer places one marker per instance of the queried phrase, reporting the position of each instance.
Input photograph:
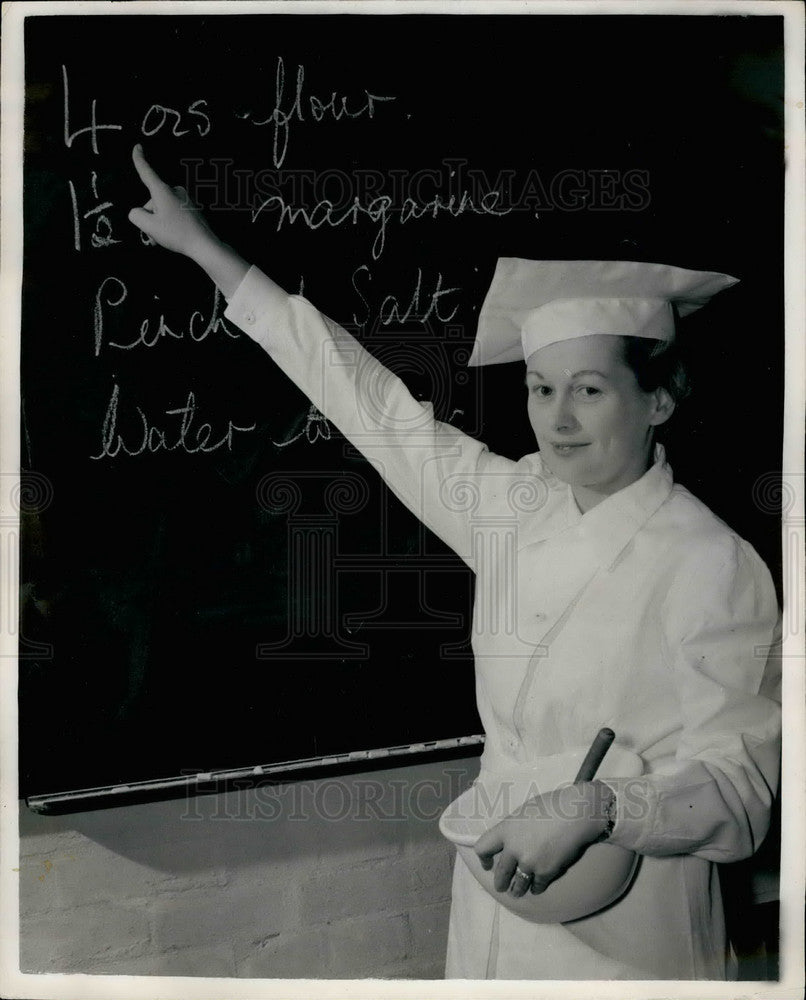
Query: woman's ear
(661, 408)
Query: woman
(605, 595)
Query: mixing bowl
(596, 880)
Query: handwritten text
(379, 211)
(334, 107)
(111, 294)
(148, 437)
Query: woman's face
(592, 421)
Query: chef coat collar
(610, 525)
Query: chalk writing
(159, 115)
(390, 308)
(151, 438)
(335, 107)
(379, 210)
(93, 128)
(101, 235)
(316, 426)
(111, 294)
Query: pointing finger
(146, 172)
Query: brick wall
(337, 878)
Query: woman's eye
(589, 391)
(540, 390)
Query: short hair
(657, 364)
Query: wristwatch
(610, 816)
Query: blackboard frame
(757, 299)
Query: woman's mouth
(568, 449)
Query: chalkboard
(176, 484)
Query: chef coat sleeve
(721, 627)
(431, 466)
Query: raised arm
(440, 473)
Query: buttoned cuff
(689, 812)
(258, 306)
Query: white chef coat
(646, 614)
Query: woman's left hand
(544, 837)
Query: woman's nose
(564, 416)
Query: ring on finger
(519, 873)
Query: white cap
(532, 303)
